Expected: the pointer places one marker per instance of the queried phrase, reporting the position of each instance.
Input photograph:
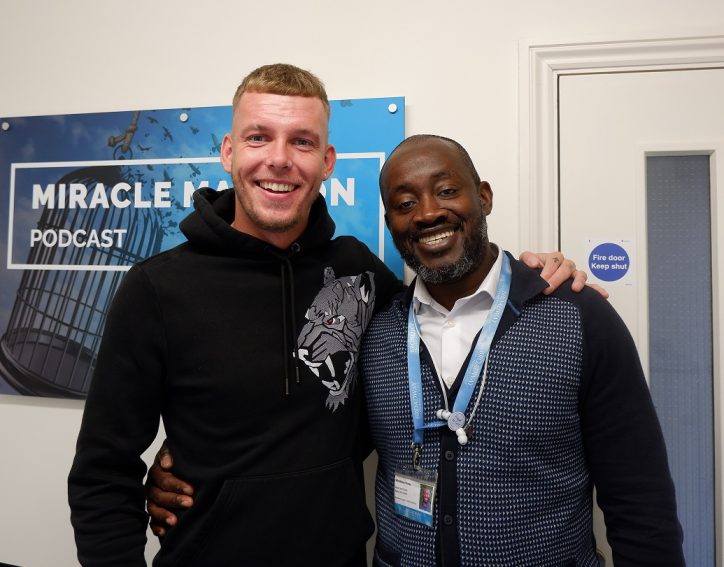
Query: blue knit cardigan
(565, 407)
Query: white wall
(456, 62)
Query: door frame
(540, 67)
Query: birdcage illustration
(53, 334)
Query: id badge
(415, 494)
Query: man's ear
(486, 196)
(227, 149)
(330, 159)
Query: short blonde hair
(282, 79)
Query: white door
(641, 196)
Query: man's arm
(556, 269)
(120, 420)
(625, 446)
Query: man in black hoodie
(245, 340)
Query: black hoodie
(249, 353)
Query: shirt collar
(421, 295)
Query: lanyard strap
(474, 367)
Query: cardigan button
(447, 519)
(449, 455)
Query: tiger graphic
(330, 340)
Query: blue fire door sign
(610, 261)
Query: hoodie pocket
(313, 517)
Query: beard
(473, 254)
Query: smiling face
(436, 211)
(277, 154)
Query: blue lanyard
(472, 372)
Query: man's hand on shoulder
(556, 269)
(165, 492)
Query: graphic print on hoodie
(329, 342)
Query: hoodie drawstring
(288, 314)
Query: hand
(165, 492)
(556, 269)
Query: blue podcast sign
(89, 195)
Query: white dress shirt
(448, 335)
